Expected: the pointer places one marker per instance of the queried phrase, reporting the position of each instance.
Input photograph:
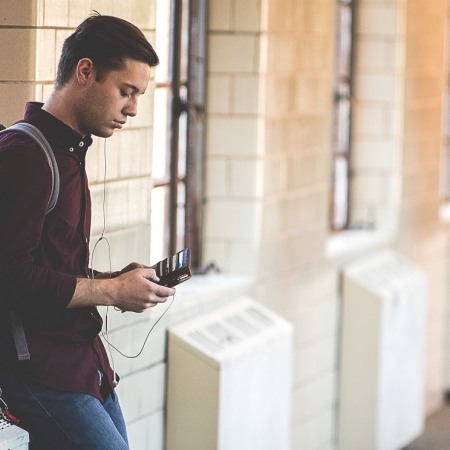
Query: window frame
(186, 98)
(340, 212)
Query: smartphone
(174, 269)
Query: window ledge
(197, 295)
(351, 241)
(204, 291)
(219, 284)
(444, 212)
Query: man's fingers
(148, 273)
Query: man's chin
(103, 133)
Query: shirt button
(81, 144)
(71, 149)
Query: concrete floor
(437, 433)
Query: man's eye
(124, 94)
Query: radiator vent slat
(204, 341)
(242, 325)
(259, 316)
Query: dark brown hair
(107, 41)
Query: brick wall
(423, 237)
(269, 111)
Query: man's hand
(138, 291)
(131, 266)
(134, 290)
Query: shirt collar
(66, 136)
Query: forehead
(135, 74)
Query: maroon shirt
(42, 255)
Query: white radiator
(382, 387)
(230, 380)
(12, 437)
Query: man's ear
(85, 71)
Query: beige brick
(19, 13)
(309, 93)
(376, 86)
(217, 251)
(109, 149)
(232, 220)
(367, 188)
(219, 15)
(142, 393)
(138, 201)
(97, 210)
(275, 175)
(314, 359)
(369, 120)
(14, 97)
(381, 19)
(122, 9)
(78, 11)
(375, 153)
(315, 432)
(144, 14)
(372, 53)
(233, 54)
(117, 204)
(104, 7)
(46, 91)
(246, 95)
(217, 178)
(18, 47)
(313, 398)
(246, 179)
(247, 15)
(147, 433)
(244, 258)
(131, 245)
(219, 94)
(135, 151)
(45, 55)
(286, 16)
(56, 13)
(38, 93)
(284, 53)
(318, 17)
(315, 322)
(232, 136)
(315, 52)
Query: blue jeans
(60, 420)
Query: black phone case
(172, 271)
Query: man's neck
(58, 105)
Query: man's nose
(131, 107)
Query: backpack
(20, 341)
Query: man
(64, 394)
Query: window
(342, 115)
(177, 168)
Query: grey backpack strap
(35, 134)
(23, 354)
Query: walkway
(437, 433)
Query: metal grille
(232, 329)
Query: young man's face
(105, 106)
